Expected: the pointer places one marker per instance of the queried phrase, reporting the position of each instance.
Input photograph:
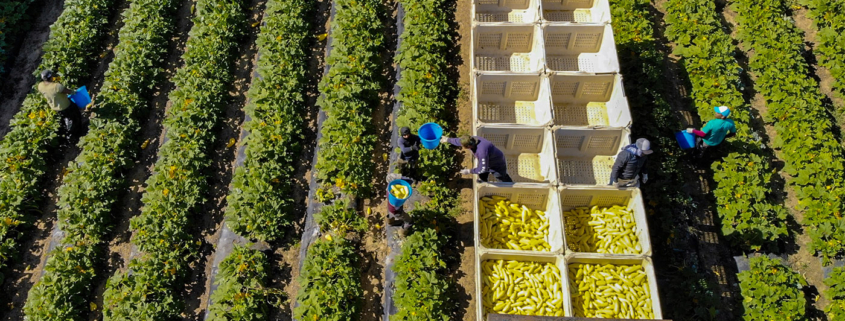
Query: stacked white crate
(547, 91)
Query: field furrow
(178, 187)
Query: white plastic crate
(481, 256)
(631, 198)
(529, 152)
(508, 48)
(536, 198)
(585, 100)
(580, 48)
(647, 264)
(502, 99)
(575, 11)
(585, 156)
(516, 11)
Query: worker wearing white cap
(629, 169)
(715, 131)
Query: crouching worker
(409, 144)
(56, 95)
(490, 158)
(714, 132)
(630, 166)
(396, 215)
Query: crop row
(422, 289)
(771, 291)
(810, 149)
(34, 128)
(162, 232)
(829, 18)
(744, 176)
(665, 201)
(241, 292)
(260, 203)
(835, 281)
(349, 93)
(91, 183)
(330, 282)
(11, 11)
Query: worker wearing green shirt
(715, 131)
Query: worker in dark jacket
(490, 158)
(409, 144)
(630, 165)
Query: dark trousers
(499, 173)
(410, 165)
(700, 147)
(72, 121)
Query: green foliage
(829, 18)
(11, 12)
(260, 204)
(771, 291)
(810, 149)
(90, 185)
(339, 218)
(349, 95)
(743, 177)
(422, 287)
(330, 283)
(241, 294)
(835, 310)
(23, 150)
(742, 196)
(177, 188)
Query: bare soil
(19, 81)
(821, 74)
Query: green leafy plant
(325, 193)
(178, 185)
(810, 149)
(88, 191)
(829, 19)
(349, 93)
(241, 287)
(33, 129)
(260, 203)
(771, 291)
(835, 310)
(330, 283)
(422, 287)
(339, 218)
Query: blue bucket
(81, 97)
(686, 140)
(430, 134)
(392, 199)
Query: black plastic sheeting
(394, 243)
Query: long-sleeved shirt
(489, 157)
(628, 165)
(714, 131)
(410, 147)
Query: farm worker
(396, 216)
(715, 131)
(409, 144)
(490, 158)
(630, 164)
(56, 95)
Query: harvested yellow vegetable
(524, 288)
(399, 191)
(506, 225)
(602, 230)
(610, 291)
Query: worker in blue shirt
(715, 131)
(490, 158)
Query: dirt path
(25, 272)
(821, 74)
(17, 83)
(210, 222)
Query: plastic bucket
(81, 97)
(686, 140)
(396, 202)
(430, 134)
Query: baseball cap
(724, 110)
(644, 145)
